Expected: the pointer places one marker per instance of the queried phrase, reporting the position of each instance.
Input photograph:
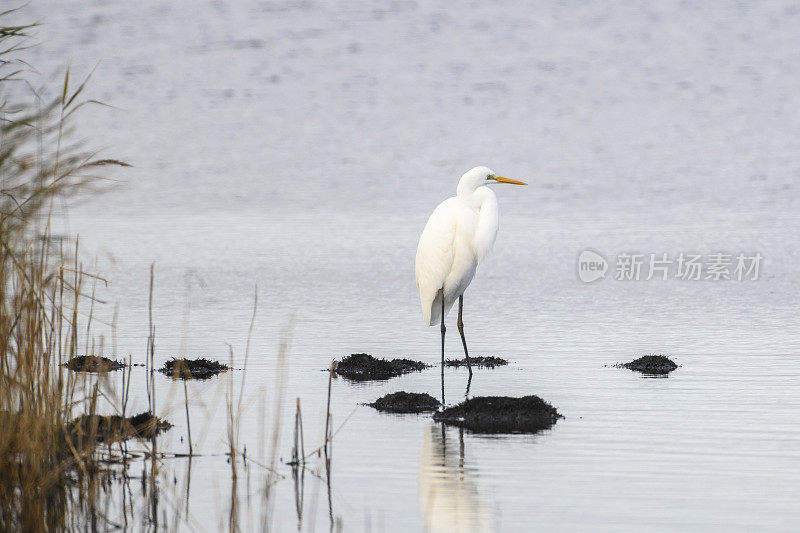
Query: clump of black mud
(481, 361)
(92, 363)
(364, 367)
(651, 364)
(192, 368)
(112, 428)
(406, 402)
(501, 414)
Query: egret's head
(479, 176)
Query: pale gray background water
(301, 146)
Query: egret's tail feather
(432, 313)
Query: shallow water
(300, 146)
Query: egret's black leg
(463, 339)
(443, 330)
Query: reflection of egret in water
(448, 490)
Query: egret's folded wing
(435, 254)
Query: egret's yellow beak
(501, 179)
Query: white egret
(459, 234)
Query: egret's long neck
(466, 187)
(488, 221)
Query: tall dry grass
(42, 451)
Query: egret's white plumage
(458, 235)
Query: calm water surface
(300, 146)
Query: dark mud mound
(93, 363)
(406, 402)
(651, 364)
(114, 428)
(501, 414)
(488, 361)
(192, 368)
(364, 367)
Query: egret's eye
(488, 176)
